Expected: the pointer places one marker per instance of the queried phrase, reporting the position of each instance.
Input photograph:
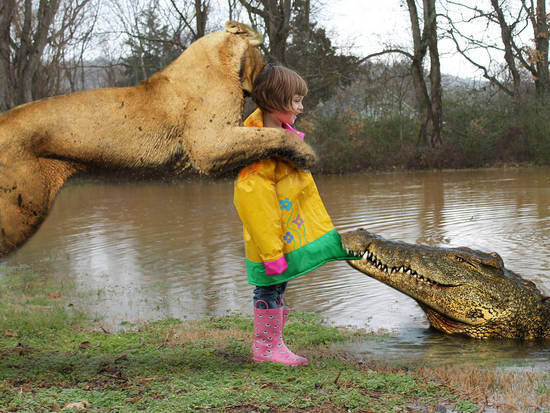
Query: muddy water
(141, 250)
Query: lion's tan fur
(184, 118)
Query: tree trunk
(507, 41)
(7, 9)
(428, 100)
(417, 69)
(201, 13)
(278, 27)
(232, 9)
(430, 24)
(542, 82)
(276, 18)
(32, 46)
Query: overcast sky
(371, 24)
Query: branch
(255, 10)
(486, 73)
(478, 12)
(153, 39)
(519, 55)
(184, 19)
(383, 52)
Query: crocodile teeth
(367, 255)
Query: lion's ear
(254, 38)
(237, 28)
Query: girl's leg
(269, 295)
(281, 288)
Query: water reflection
(155, 250)
(427, 346)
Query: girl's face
(290, 117)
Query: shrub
(477, 132)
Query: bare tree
(33, 41)
(7, 98)
(195, 11)
(428, 97)
(33, 35)
(428, 100)
(232, 9)
(275, 16)
(512, 20)
(152, 35)
(537, 57)
(431, 36)
(64, 63)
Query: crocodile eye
(459, 259)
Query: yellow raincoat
(285, 224)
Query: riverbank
(53, 358)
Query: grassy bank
(53, 359)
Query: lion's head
(252, 61)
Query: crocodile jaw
(403, 272)
(407, 280)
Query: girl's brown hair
(275, 87)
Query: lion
(183, 120)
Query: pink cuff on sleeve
(275, 267)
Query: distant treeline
(481, 128)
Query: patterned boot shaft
(286, 312)
(268, 340)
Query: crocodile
(462, 291)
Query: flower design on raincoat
(285, 204)
(288, 237)
(298, 221)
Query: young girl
(287, 230)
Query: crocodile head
(462, 291)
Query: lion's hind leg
(27, 190)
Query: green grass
(51, 355)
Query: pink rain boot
(286, 312)
(268, 340)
